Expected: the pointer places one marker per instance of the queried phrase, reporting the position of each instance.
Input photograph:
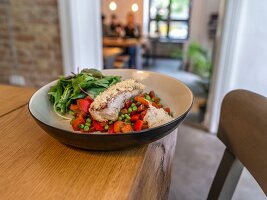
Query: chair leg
(226, 178)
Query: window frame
(169, 20)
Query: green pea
(81, 126)
(88, 120)
(138, 103)
(147, 97)
(120, 118)
(86, 128)
(134, 108)
(106, 127)
(153, 100)
(87, 124)
(130, 110)
(127, 120)
(110, 122)
(132, 105)
(128, 117)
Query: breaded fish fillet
(107, 105)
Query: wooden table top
(111, 52)
(119, 42)
(33, 165)
(12, 97)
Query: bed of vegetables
(130, 117)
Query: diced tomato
(142, 115)
(92, 129)
(168, 110)
(81, 115)
(98, 126)
(111, 129)
(127, 104)
(133, 113)
(141, 100)
(124, 111)
(126, 128)
(83, 105)
(117, 126)
(88, 98)
(138, 125)
(141, 108)
(76, 122)
(135, 117)
(152, 94)
(74, 107)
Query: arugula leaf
(73, 87)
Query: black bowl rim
(118, 134)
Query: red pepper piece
(98, 126)
(142, 115)
(76, 123)
(111, 129)
(141, 108)
(133, 113)
(83, 105)
(138, 125)
(141, 100)
(92, 129)
(88, 98)
(135, 117)
(74, 107)
(127, 104)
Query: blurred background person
(115, 27)
(105, 27)
(132, 30)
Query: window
(169, 19)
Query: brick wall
(30, 41)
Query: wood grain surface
(35, 166)
(12, 97)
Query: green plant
(177, 53)
(158, 18)
(199, 60)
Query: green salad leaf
(88, 82)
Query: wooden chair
(243, 129)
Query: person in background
(132, 30)
(115, 27)
(105, 28)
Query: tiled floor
(197, 157)
(198, 153)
